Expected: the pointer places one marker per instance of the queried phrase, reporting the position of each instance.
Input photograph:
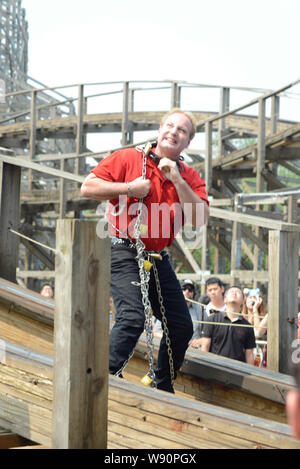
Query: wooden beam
(208, 155)
(10, 179)
(252, 220)
(32, 138)
(79, 130)
(23, 163)
(126, 136)
(81, 336)
(282, 298)
(224, 107)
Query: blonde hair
(177, 110)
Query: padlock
(147, 266)
(146, 380)
(143, 229)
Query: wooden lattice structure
(13, 49)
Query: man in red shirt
(172, 193)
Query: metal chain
(145, 276)
(164, 323)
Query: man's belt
(128, 243)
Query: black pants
(130, 316)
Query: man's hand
(196, 343)
(139, 187)
(169, 169)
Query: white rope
(222, 323)
(33, 241)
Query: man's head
(234, 297)
(47, 291)
(188, 288)
(177, 128)
(214, 289)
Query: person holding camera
(255, 311)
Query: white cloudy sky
(229, 42)
(221, 42)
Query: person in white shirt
(215, 290)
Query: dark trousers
(130, 316)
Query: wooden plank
(26, 419)
(208, 156)
(32, 138)
(33, 447)
(209, 424)
(9, 218)
(27, 302)
(282, 298)
(81, 336)
(125, 133)
(11, 440)
(231, 373)
(218, 390)
(20, 162)
(25, 331)
(253, 220)
(261, 145)
(39, 274)
(79, 129)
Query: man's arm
(99, 189)
(194, 208)
(205, 344)
(249, 355)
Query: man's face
(234, 295)
(188, 292)
(215, 292)
(47, 291)
(174, 136)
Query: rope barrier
(32, 240)
(221, 323)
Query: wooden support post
(81, 336)
(274, 113)
(32, 138)
(10, 180)
(208, 155)
(236, 243)
(62, 192)
(126, 135)
(175, 95)
(79, 134)
(204, 255)
(282, 298)
(260, 165)
(261, 145)
(224, 107)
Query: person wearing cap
(171, 193)
(197, 313)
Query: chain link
(164, 323)
(145, 276)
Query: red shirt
(162, 213)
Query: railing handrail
(70, 100)
(253, 101)
(180, 83)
